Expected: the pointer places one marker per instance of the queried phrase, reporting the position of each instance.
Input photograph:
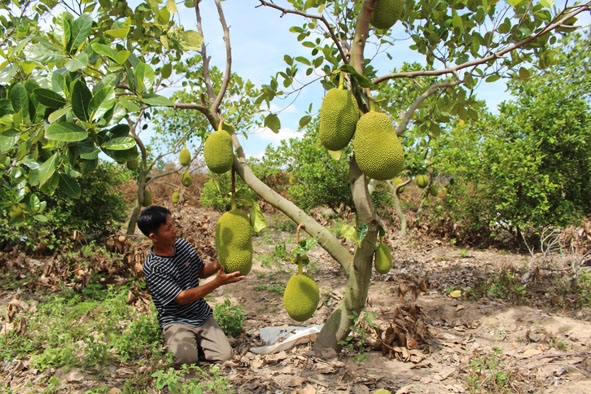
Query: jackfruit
(378, 150)
(398, 181)
(383, 259)
(434, 190)
(301, 296)
(133, 164)
(382, 391)
(386, 13)
(176, 197)
(218, 152)
(187, 179)
(147, 198)
(233, 241)
(185, 156)
(338, 117)
(422, 181)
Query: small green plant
(270, 287)
(356, 341)
(503, 285)
(487, 374)
(191, 380)
(229, 317)
(583, 283)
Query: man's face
(166, 234)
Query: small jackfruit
(378, 150)
(383, 259)
(434, 190)
(386, 13)
(422, 181)
(218, 152)
(133, 164)
(176, 197)
(187, 179)
(338, 117)
(398, 181)
(382, 391)
(233, 241)
(147, 198)
(185, 156)
(301, 296)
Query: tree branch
(228, 70)
(320, 18)
(558, 21)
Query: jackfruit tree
(69, 93)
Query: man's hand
(232, 277)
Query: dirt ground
(540, 350)
(431, 343)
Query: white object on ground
(281, 338)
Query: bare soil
(421, 340)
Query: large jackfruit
(185, 156)
(233, 241)
(301, 296)
(378, 150)
(383, 259)
(338, 117)
(386, 13)
(218, 152)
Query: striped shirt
(167, 276)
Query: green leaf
(8, 140)
(157, 100)
(49, 98)
(120, 143)
(166, 71)
(349, 233)
(191, 40)
(80, 32)
(492, 78)
(19, 99)
(57, 114)
(524, 73)
(80, 62)
(362, 230)
(105, 50)
(81, 97)
(514, 3)
(171, 6)
(257, 219)
(144, 77)
(44, 54)
(65, 131)
(362, 80)
(69, 186)
(121, 30)
(101, 102)
(272, 122)
(304, 120)
(47, 169)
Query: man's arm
(196, 293)
(209, 269)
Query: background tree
(528, 166)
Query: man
(172, 270)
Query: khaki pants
(187, 342)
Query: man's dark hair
(151, 218)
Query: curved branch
(320, 18)
(413, 107)
(324, 237)
(558, 21)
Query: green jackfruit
(398, 181)
(338, 117)
(233, 241)
(176, 197)
(434, 190)
(187, 179)
(185, 156)
(383, 259)
(386, 13)
(378, 150)
(422, 181)
(133, 164)
(147, 198)
(218, 152)
(301, 297)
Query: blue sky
(260, 38)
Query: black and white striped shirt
(167, 276)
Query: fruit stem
(341, 80)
